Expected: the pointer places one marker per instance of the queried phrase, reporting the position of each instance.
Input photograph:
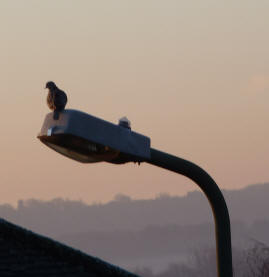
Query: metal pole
(214, 196)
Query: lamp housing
(87, 139)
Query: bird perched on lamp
(56, 99)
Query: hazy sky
(192, 75)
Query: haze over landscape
(151, 233)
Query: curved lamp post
(88, 139)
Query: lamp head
(88, 139)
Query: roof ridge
(21, 236)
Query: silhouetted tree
(258, 260)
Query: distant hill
(59, 217)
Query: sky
(191, 75)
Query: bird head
(50, 85)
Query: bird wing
(60, 99)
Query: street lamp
(88, 139)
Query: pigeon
(56, 99)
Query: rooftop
(24, 253)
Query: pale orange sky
(192, 75)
